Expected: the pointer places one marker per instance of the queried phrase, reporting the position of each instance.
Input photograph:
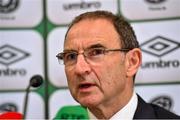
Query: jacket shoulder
(163, 113)
(150, 111)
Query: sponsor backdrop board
(160, 42)
(22, 53)
(21, 13)
(63, 11)
(32, 33)
(150, 9)
(55, 45)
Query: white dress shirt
(127, 112)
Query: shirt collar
(127, 112)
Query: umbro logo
(155, 1)
(7, 6)
(159, 46)
(10, 55)
(81, 5)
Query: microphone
(11, 115)
(72, 112)
(35, 81)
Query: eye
(70, 56)
(96, 52)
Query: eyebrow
(96, 46)
(69, 50)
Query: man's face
(96, 83)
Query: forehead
(92, 31)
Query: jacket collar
(144, 110)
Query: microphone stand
(35, 81)
(26, 101)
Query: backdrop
(32, 33)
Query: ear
(133, 61)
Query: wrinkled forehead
(87, 32)
(89, 21)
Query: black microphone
(35, 81)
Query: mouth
(85, 86)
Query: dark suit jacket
(149, 111)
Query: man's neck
(106, 111)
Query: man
(101, 57)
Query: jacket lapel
(144, 110)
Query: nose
(82, 66)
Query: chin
(89, 102)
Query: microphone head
(72, 112)
(11, 115)
(36, 81)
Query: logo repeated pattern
(10, 55)
(160, 49)
(159, 46)
(18, 13)
(69, 9)
(8, 6)
(163, 101)
(8, 107)
(150, 9)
